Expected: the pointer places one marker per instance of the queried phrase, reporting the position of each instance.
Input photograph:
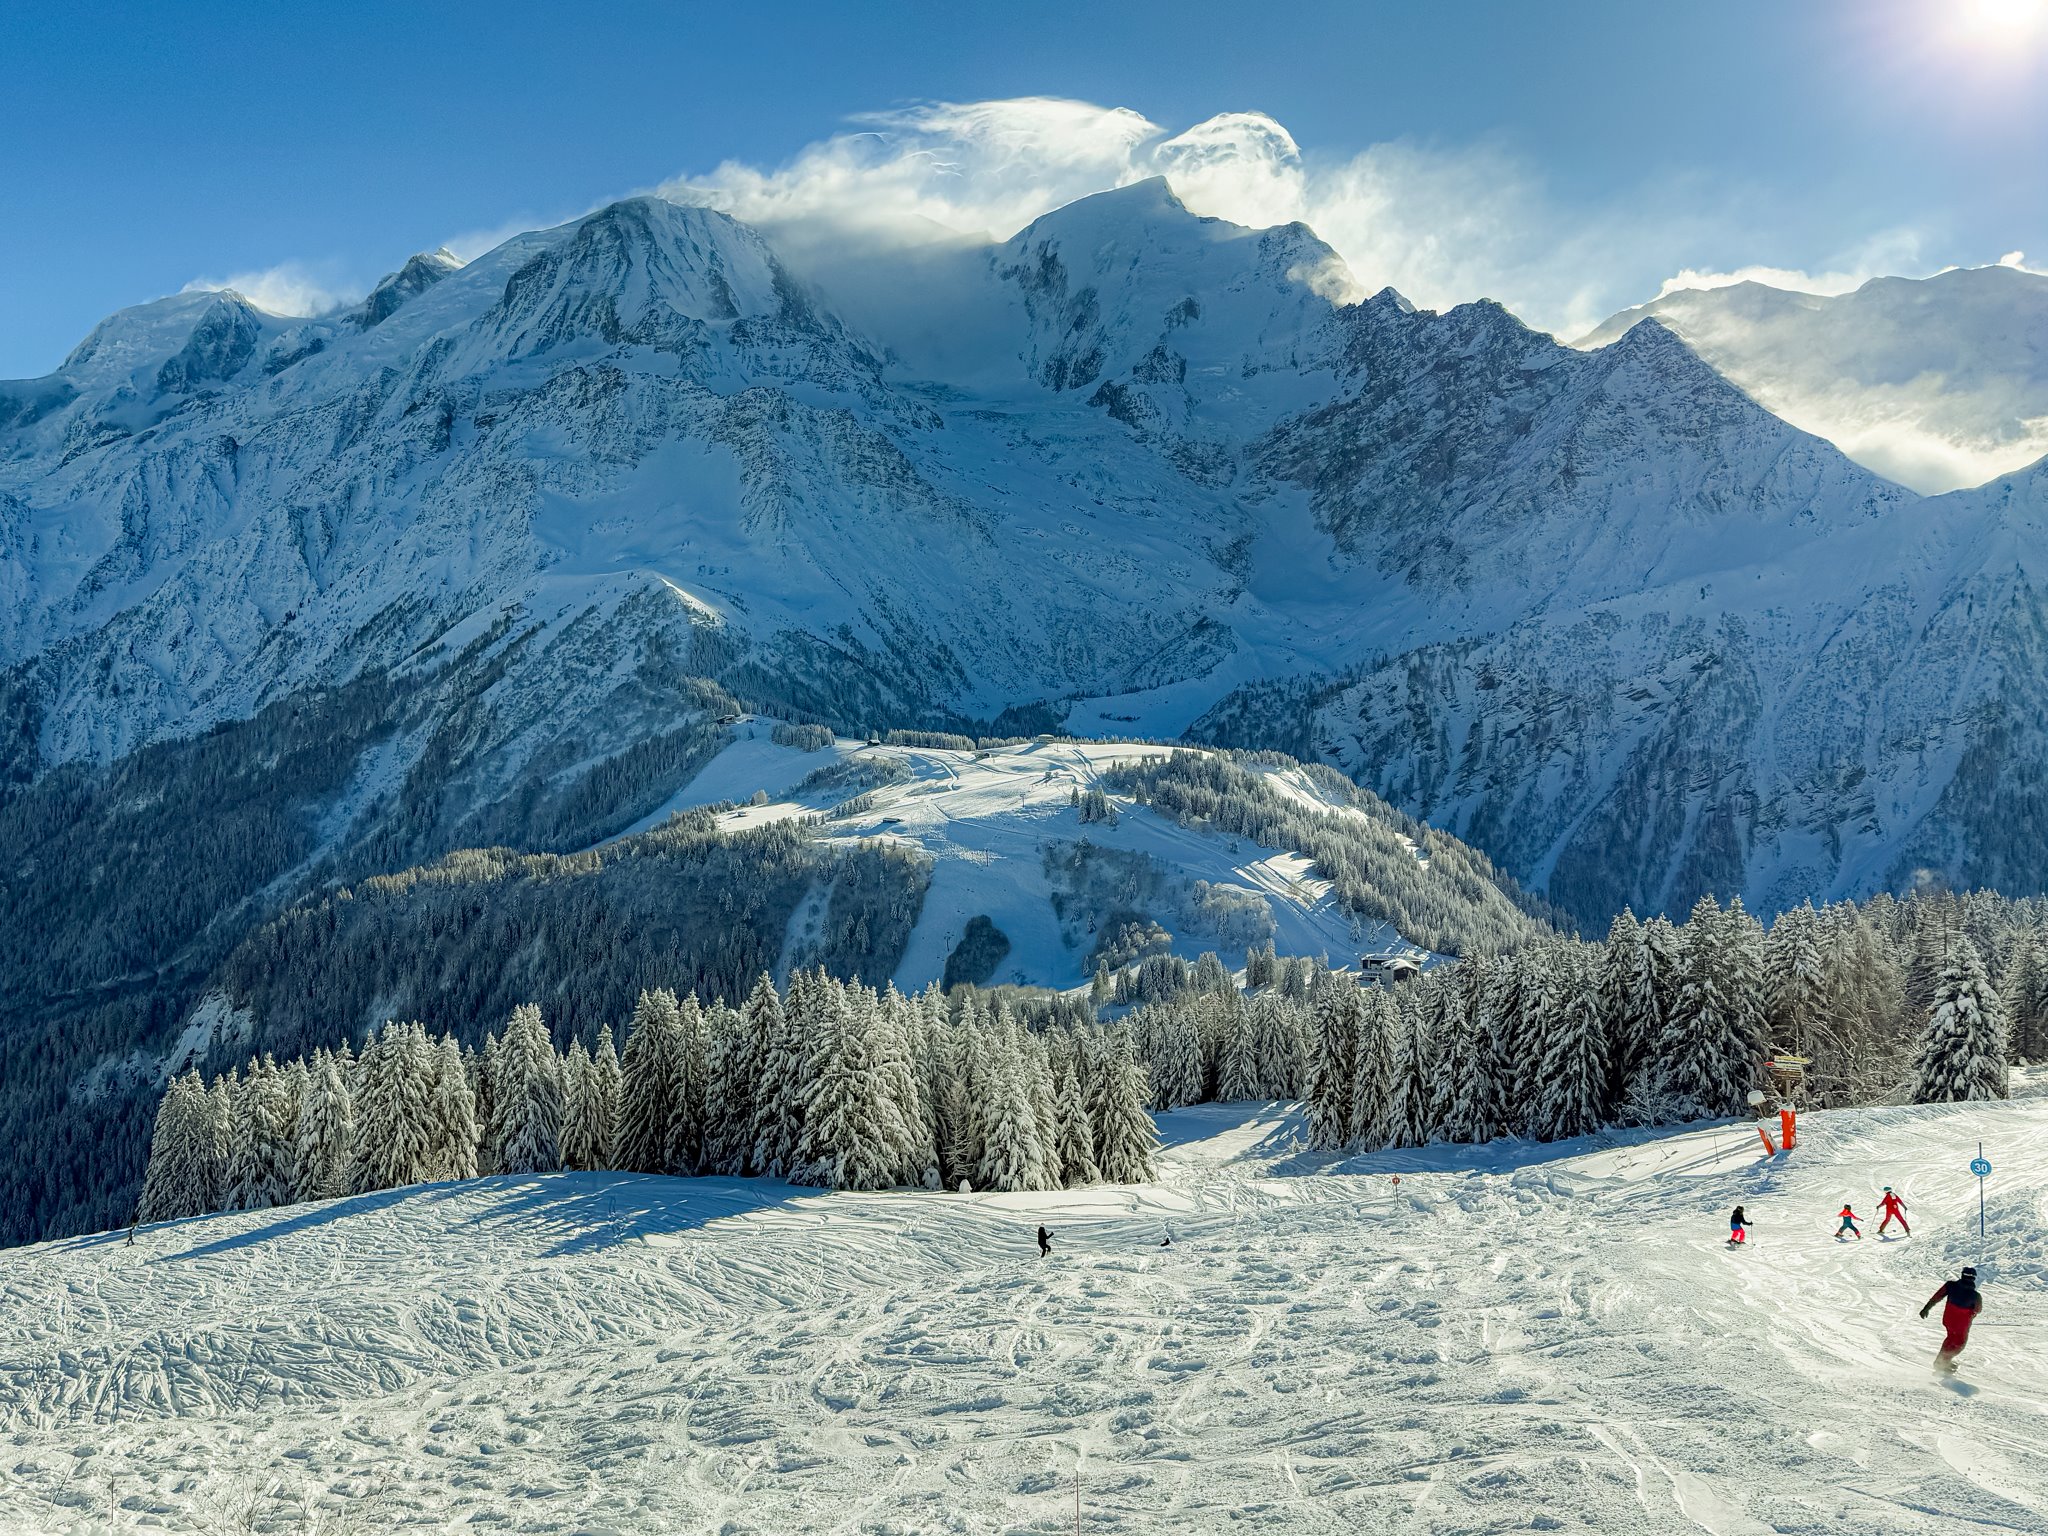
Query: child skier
(1892, 1208)
(1964, 1303)
(1848, 1227)
(1738, 1229)
(1044, 1243)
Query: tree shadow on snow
(300, 1218)
(586, 1212)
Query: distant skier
(1848, 1228)
(1166, 1241)
(1964, 1303)
(1044, 1243)
(1738, 1229)
(1892, 1208)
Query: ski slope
(986, 818)
(1524, 1338)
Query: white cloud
(1443, 225)
(290, 288)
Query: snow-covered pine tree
(1238, 1079)
(579, 1128)
(1748, 999)
(1702, 1052)
(264, 1146)
(217, 1145)
(1414, 1070)
(852, 1137)
(1465, 1072)
(173, 1183)
(1012, 1156)
(1793, 980)
(1503, 1041)
(898, 1045)
(451, 1114)
(482, 1066)
(2025, 990)
(728, 1093)
(1038, 1078)
(654, 1081)
(1627, 990)
(1337, 1008)
(959, 1120)
(696, 1085)
(778, 1117)
(1962, 1049)
(528, 1091)
(325, 1155)
(1373, 1118)
(601, 1089)
(1176, 1068)
(1573, 1077)
(1076, 1133)
(1125, 1136)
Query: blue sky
(1568, 158)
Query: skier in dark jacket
(1044, 1243)
(1964, 1303)
(1738, 1229)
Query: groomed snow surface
(1523, 1338)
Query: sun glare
(2002, 23)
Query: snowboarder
(1848, 1228)
(1738, 1229)
(1044, 1243)
(1964, 1303)
(1892, 1208)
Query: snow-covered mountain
(1595, 610)
(1939, 382)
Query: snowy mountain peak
(419, 273)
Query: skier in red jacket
(1964, 1303)
(1892, 1209)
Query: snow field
(986, 819)
(1525, 1338)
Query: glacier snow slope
(1529, 1337)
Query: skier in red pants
(1964, 1303)
(1892, 1208)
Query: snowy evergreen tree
(1125, 1136)
(1013, 1156)
(528, 1093)
(1628, 1008)
(1414, 1072)
(852, 1139)
(1573, 1076)
(1176, 1062)
(1962, 1048)
(1703, 1053)
(260, 1168)
(696, 1085)
(452, 1133)
(1076, 1135)
(782, 1086)
(2025, 991)
(1239, 1079)
(1278, 1030)
(654, 1087)
(217, 1145)
(1464, 1050)
(579, 1129)
(174, 1183)
(325, 1154)
(1337, 1013)
(603, 1086)
(1373, 1115)
(728, 1093)
(1794, 981)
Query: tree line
(828, 1083)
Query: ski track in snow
(1526, 1338)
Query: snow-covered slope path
(1538, 1338)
